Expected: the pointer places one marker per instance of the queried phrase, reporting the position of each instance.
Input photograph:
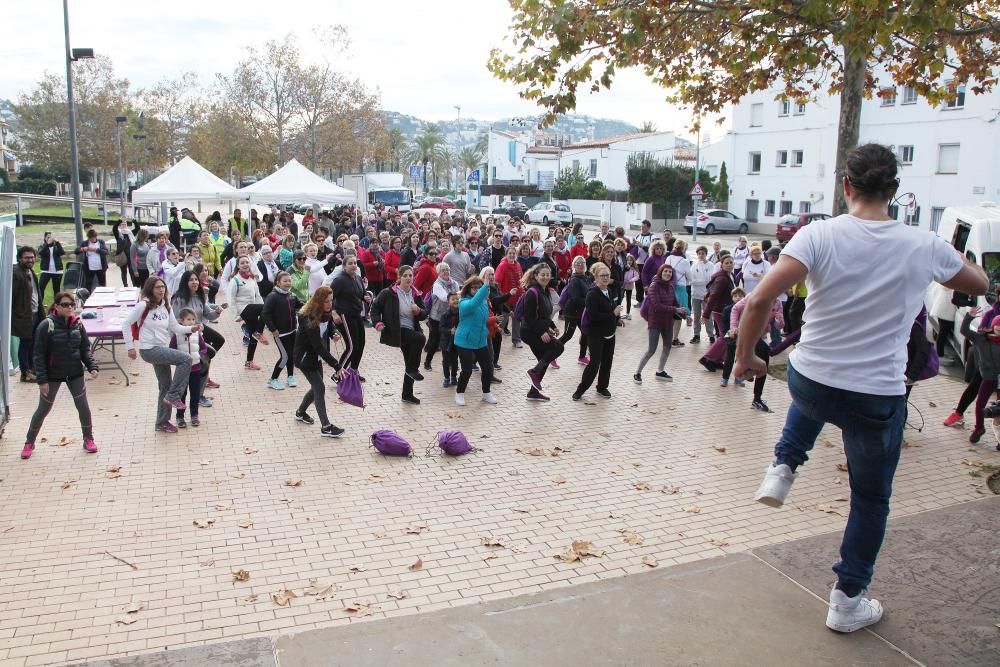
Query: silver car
(711, 220)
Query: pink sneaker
(176, 404)
(954, 419)
(29, 448)
(90, 445)
(583, 361)
(166, 427)
(553, 364)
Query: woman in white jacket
(701, 274)
(149, 326)
(682, 278)
(244, 296)
(317, 267)
(172, 269)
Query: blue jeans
(872, 430)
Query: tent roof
(185, 181)
(294, 183)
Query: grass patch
(66, 211)
(778, 371)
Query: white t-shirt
(94, 258)
(754, 273)
(859, 311)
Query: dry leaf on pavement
(205, 463)
(416, 565)
(128, 619)
(721, 450)
(842, 467)
(415, 529)
(293, 482)
(223, 508)
(249, 450)
(841, 499)
(250, 598)
(631, 537)
(320, 590)
(830, 509)
(558, 479)
(355, 569)
(284, 598)
(204, 523)
(490, 556)
(670, 489)
(932, 404)
(522, 510)
(491, 541)
(536, 451)
(135, 607)
(641, 486)
(238, 475)
(241, 575)
(360, 608)
(375, 477)
(692, 509)
(650, 561)
(63, 441)
(68, 483)
(246, 523)
(207, 562)
(397, 595)
(578, 550)
(719, 542)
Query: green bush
(576, 184)
(31, 186)
(460, 204)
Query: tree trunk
(851, 97)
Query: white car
(547, 212)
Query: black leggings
(571, 324)
(497, 342)
(482, 356)
(316, 394)
(433, 341)
(78, 389)
(762, 350)
(45, 278)
(969, 395)
(285, 345)
(411, 344)
(602, 355)
(251, 317)
(628, 301)
(546, 353)
(353, 329)
(942, 338)
(638, 285)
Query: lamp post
(73, 55)
(120, 121)
(458, 129)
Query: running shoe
(166, 427)
(331, 431)
(583, 361)
(535, 395)
(955, 419)
(275, 383)
(850, 614)
(637, 378)
(29, 448)
(291, 381)
(553, 364)
(90, 445)
(176, 404)
(759, 404)
(304, 418)
(663, 375)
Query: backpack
(564, 297)
(138, 325)
(585, 320)
(429, 300)
(454, 443)
(519, 306)
(390, 443)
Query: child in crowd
(449, 322)
(193, 345)
(628, 283)
(730, 336)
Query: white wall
(615, 213)
(535, 162)
(498, 158)
(611, 159)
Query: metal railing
(108, 209)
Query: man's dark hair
(23, 249)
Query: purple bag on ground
(390, 443)
(454, 443)
(349, 388)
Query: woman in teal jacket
(472, 338)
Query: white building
(780, 156)
(505, 158)
(8, 161)
(604, 159)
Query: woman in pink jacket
(761, 348)
(658, 309)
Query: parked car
(711, 220)
(793, 222)
(546, 212)
(437, 202)
(512, 208)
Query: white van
(975, 232)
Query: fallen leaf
(249, 450)
(318, 589)
(355, 569)
(618, 472)
(719, 542)
(517, 549)
(636, 465)
(216, 481)
(246, 523)
(250, 598)
(492, 542)
(568, 557)
(127, 619)
(205, 463)
(932, 404)
(113, 475)
(241, 575)
(207, 562)
(558, 479)
(721, 450)
(631, 537)
(841, 499)
(379, 536)
(693, 509)
(415, 530)
(830, 509)
(522, 510)
(615, 515)
(537, 451)
(68, 483)
(375, 478)
(558, 449)
(223, 508)
(135, 607)
(238, 475)
(490, 556)
(43, 440)
(842, 467)
(204, 523)
(641, 486)
(63, 441)
(649, 561)
(284, 598)
(416, 565)
(115, 469)
(978, 463)
(670, 489)
(134, 374)
(603, 434)
(360, 608)
(293, 482)
(397, 595)
(838, 480)
(284, 500)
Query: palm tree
(470, 158)
(647, 126)
(482, 143)
(397, 145)
(425, 149)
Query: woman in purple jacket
(650, 268)
(658, 309)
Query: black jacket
(47, 251)
(601, 313)
(348, 295)
(62, 349)
(385, 309)
(22, 282)
(578, 285)
(537, 311)
(264, 284)
(312, 348)
(102, 250)
(279, 311)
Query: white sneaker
(850, 614)
(460, 399)
(488, 397)
(777, 482)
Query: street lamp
(458, 129)
(72, 55)
(120, 121)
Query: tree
(650, 180)
(471, 158)
(647, 126)
(722, 187)
(426, 148)
(397, 146)
(577, 184)
(713, 52)
(175, 106)
(220, 142)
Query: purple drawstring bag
(454, 443)
(349, 388)
(390, 443)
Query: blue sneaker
(275, 383)
(291, 381)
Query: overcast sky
(424, 57)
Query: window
(784, 107)
(936, 214)
(948, 158)
(512, 152)
(888, 96)
(797, 158)
(786, 207)
(754, 166)
(757, 114)
(782, 160)
(909, 95)
(494, 173)
(805, 207)
(912, 218)
(800, 109)
(768, 208)
(593, 168)
(752, 205)
(958, 101)
(894, 211)
(576, 166)
(906, 154)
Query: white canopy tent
(295, 183)
(186, 181)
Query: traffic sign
(414, 171)
(696, 191)
(473, 177)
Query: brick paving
(61, 593)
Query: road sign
(546, 180)
(414, 171)
(696, 191)
(473, 177)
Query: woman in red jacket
(720, 296)
(392, 260)
(370, 259)
(427, 271)
(508, 276)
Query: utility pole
(122, 185)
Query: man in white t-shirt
(848, 368)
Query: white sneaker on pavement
(488, 397)
(460, 399)
(777, 482)
(850, 614)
